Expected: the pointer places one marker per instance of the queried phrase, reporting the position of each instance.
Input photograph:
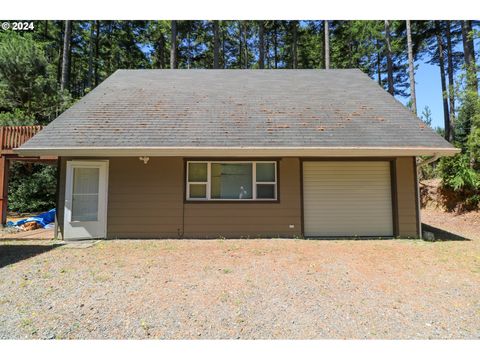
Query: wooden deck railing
(14, 136)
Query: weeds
(145, 327)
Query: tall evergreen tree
(261, 44)
(389, 58)
(469, 52)
(440, 50)
(326, 30)
(451, 83)
(173, 45)
(411, 68)
(66, 55)
(216, 45)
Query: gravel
(240, 289)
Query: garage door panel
(347, 198)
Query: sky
(429, 90)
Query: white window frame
(208, 183)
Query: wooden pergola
(11, 137)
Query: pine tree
(173, 45)
(411, 67)
(327, 43)
(66, 55)
(389, 57)
(261, 44)
(440, 50)
(216, 45)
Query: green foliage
(426, 116)
(473, 139)
(27, 79)
(30, 71)
(457, 174)
(16, 117)
(32, 187)
(428, 171)
(468, 116)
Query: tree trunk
(216, 45)
(261, 44)
(441, 60)
(275, 43)
(72, 80)
(267, 52)
(411, 68)
(379, 64)
(451, 84)
(97, 48)
(389, 58)
(90, 55)
(326, 31)
(110, 47)
(240, 46)
(245, 42)
(469, 53)
(60, 52)
(294, 44)
(45, 34)
(173, 48)
(223, 49)
(66, 55)
(161, 51)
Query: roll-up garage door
(347, 198)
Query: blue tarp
(42, 219)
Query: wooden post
(4, 162)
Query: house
(237, 153)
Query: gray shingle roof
(233, 108)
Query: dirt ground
(451, 224)
(241, 289)
(11, 233)
(443, 217)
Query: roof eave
(239, 151)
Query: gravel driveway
(248, 289)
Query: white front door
(86, 188)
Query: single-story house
(237, 153)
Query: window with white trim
(231, 180)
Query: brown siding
(251, 219)
(406, 197)
(147, 201)
(61, 196)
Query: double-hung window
(231, 180)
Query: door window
(85, 194)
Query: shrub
(32, 187)
(457, 174)
(427, 172)
(460, 183)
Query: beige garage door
(347, 198)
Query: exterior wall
(147, 201)
(62, 175)
(407, 201)
(256, 219)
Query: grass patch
(102, 278)
(145, 327)
(224, 296)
